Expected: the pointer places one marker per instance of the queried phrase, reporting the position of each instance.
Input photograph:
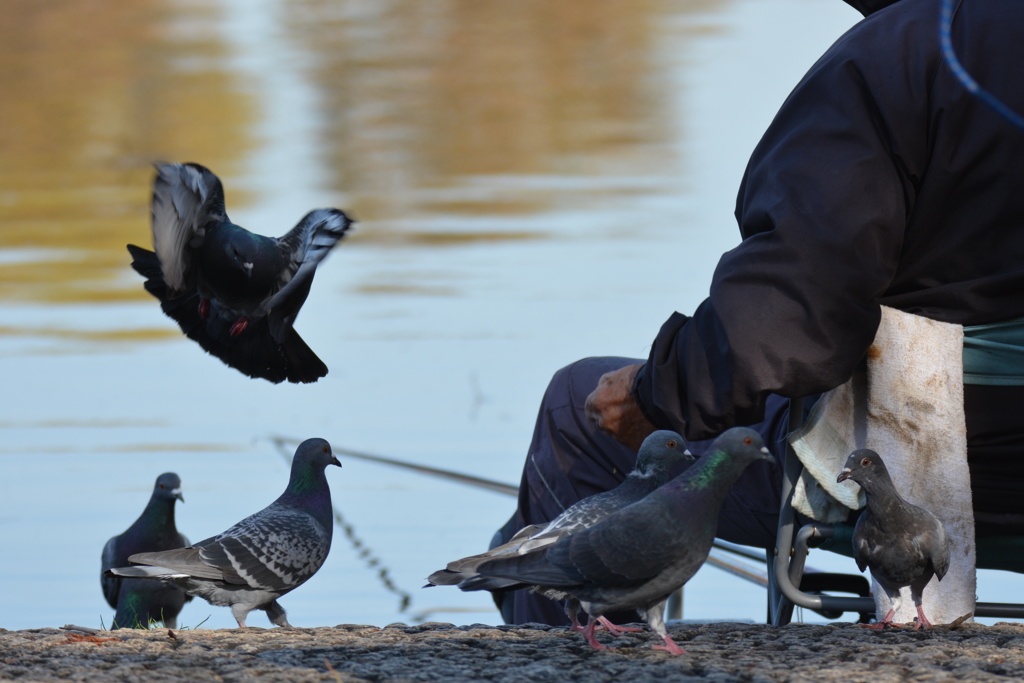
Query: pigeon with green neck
(138, 603)
(659, 452)
(264, 556)
(638, 556)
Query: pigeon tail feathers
(183, 561)
(531, 569)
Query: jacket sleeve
(822, 210)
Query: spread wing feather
(303, 247)
(186, 197)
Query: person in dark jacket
(881, 181)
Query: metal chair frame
(786, 560)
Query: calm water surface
(534, 183)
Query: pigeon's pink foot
(239, 327)
(615, 629)
(588, 633)
(884, 623)
(922, 621)
(670, 646)
(204, 308)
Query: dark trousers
(571, 459)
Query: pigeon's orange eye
(326, 449)
(865, 462)
(671, 444)
(748, 441)
(161, 486)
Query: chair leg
(780, 608)
(786, 567)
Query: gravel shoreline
(531, 652)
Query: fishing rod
(469, 479)
(946, 13)
(715, 559)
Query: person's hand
(612, 406)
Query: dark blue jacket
(881, 181)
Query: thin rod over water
(478, 482)
(716, 559)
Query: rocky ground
(443, 652)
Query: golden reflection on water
(130, 335)
(93, 92)
(419, 98)
(429, 94)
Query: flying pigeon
(234, 292)
(140, 602)
(264, 556)
(659, 452)
(902, 544)
(636, 557)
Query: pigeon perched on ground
(636, 557)
(659, 452)
(264, 556)
(140, 602)
(902, 544)
(234, 292)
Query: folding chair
(790, 586)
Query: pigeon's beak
(844, 475)
(767, 453)
(687, 453)
(176, 493)
(248, 269)
(334, 460)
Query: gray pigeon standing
(658, 454)
(234, 292)
(636, 557)
(264, 556)
(902, 544)
(139, 602)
